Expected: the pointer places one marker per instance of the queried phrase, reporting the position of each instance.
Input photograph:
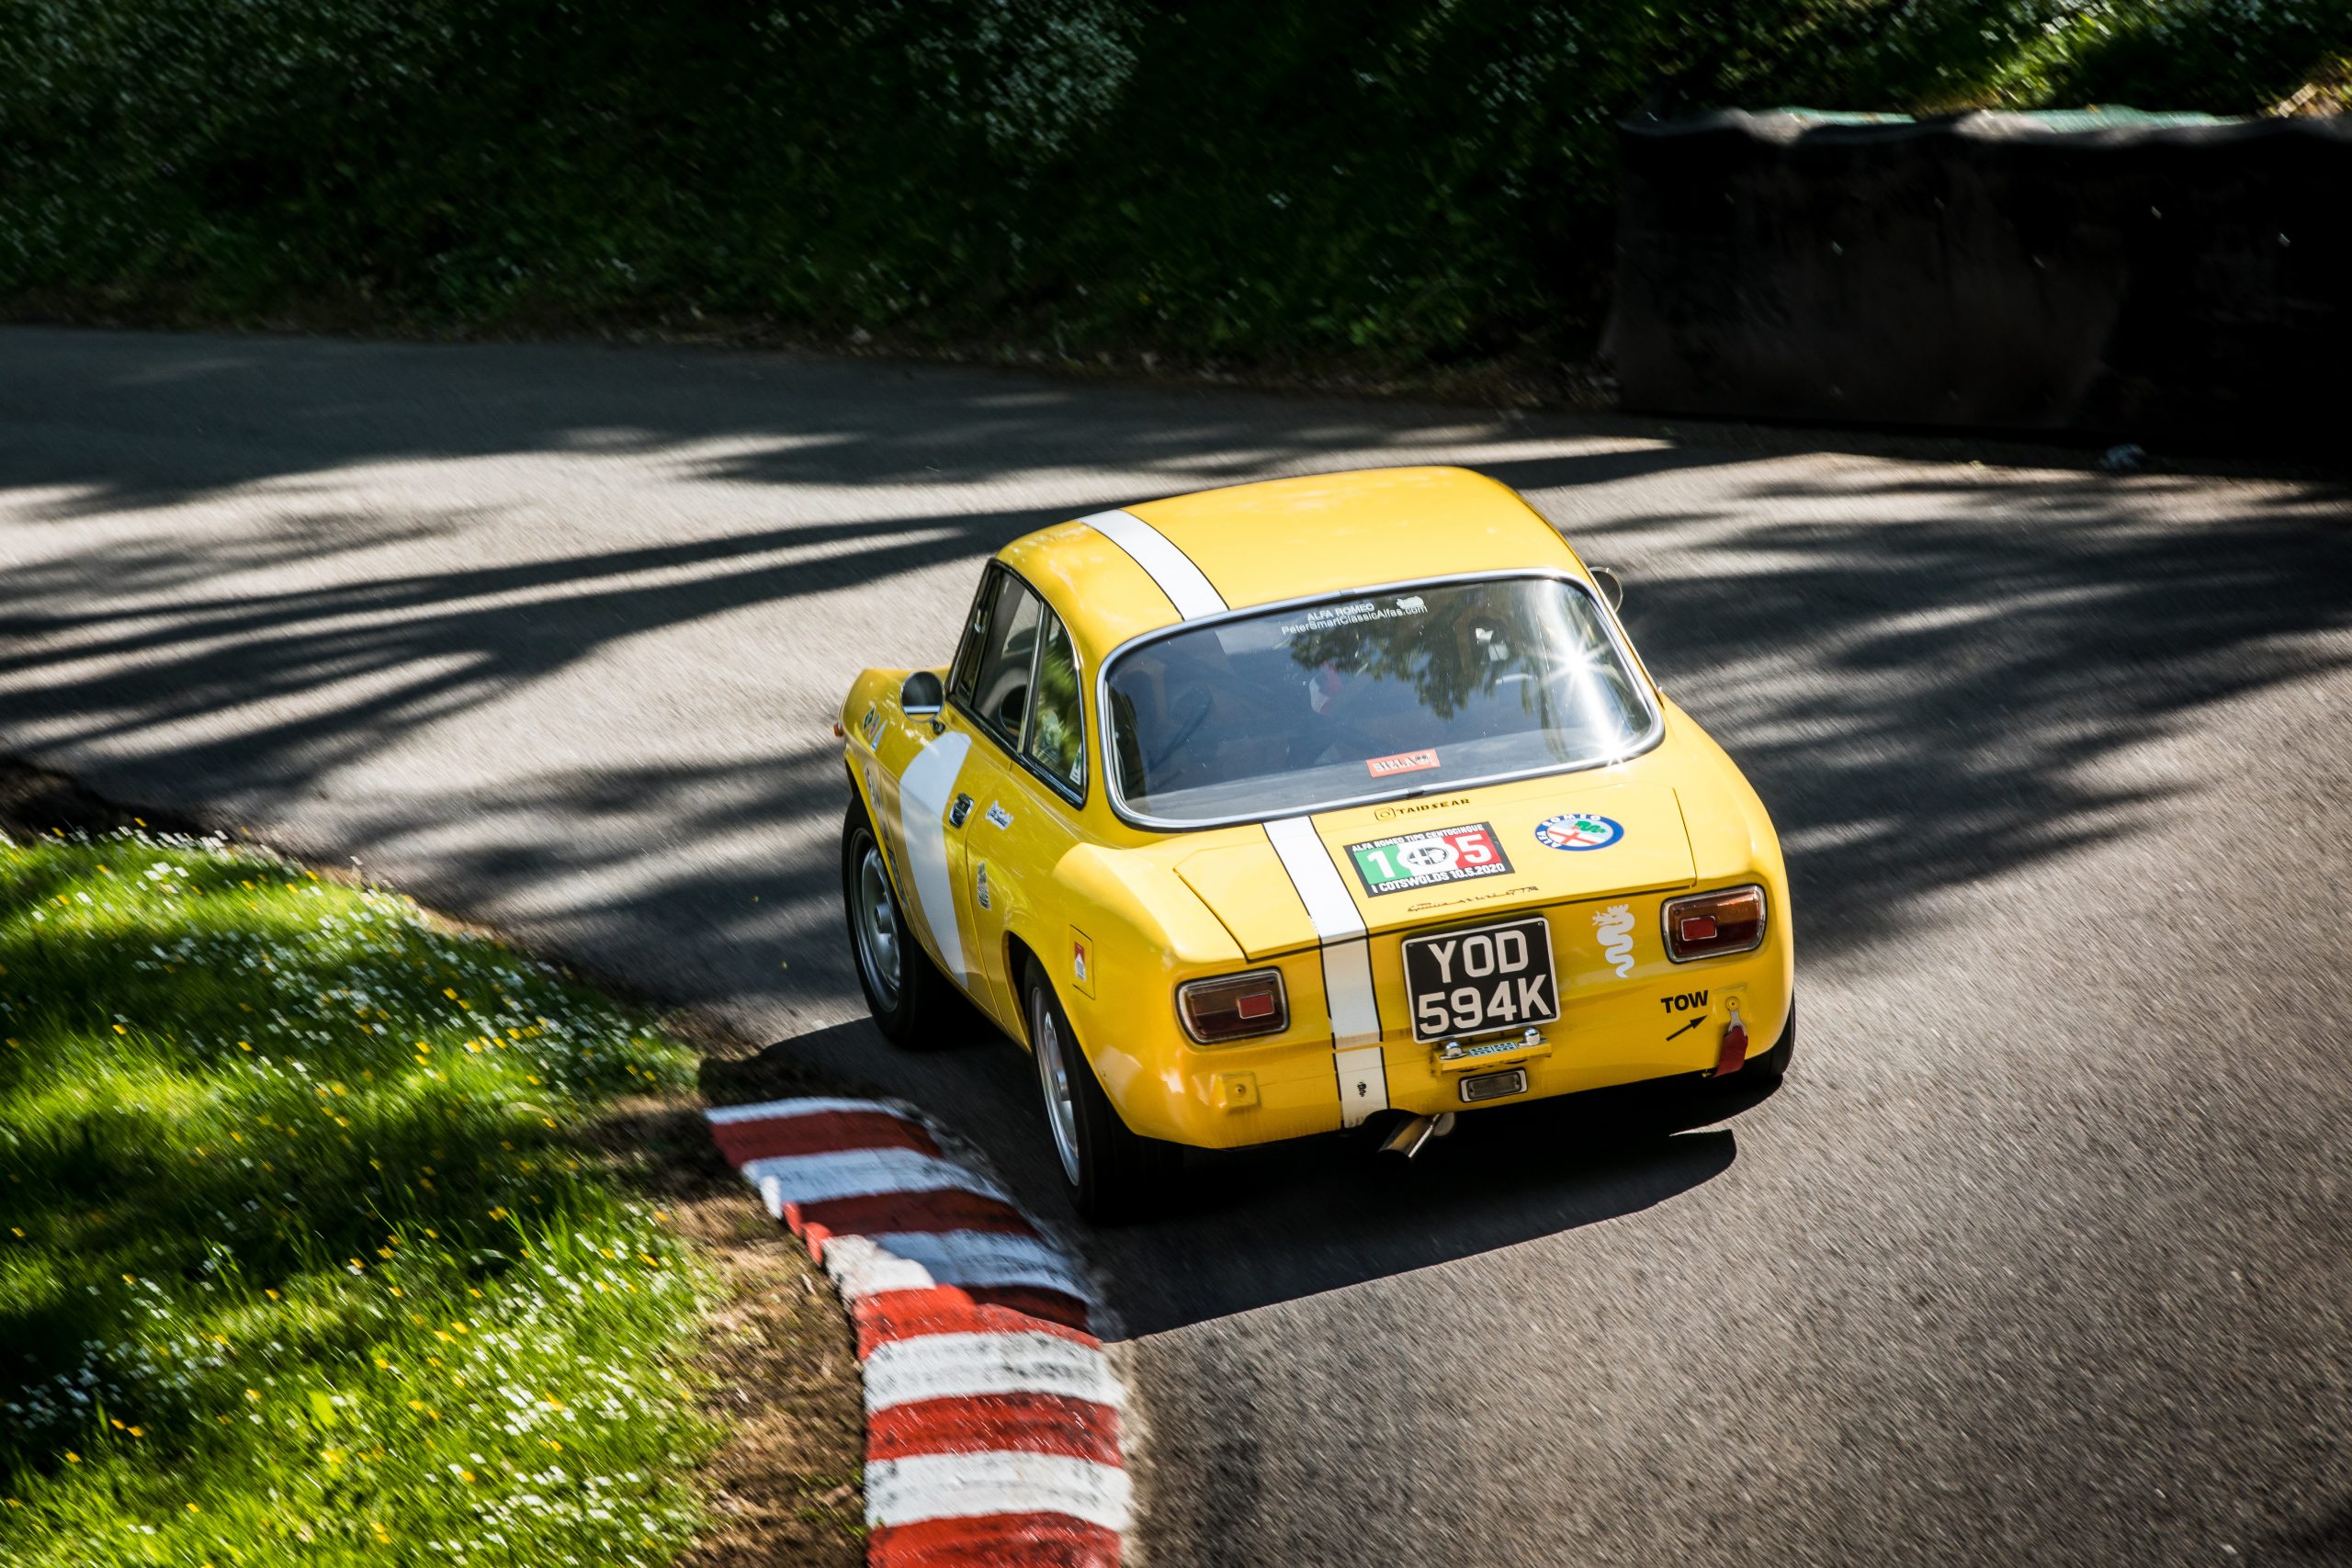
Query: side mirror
(1612, 586)
(922, 694)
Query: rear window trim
(1646, 741)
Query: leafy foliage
(1399, 181)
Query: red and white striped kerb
(991, 1414)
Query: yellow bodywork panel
(1333, 533)
(1005, 875)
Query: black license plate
(1481, 981)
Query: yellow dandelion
(136, 1431)
(72, 1458)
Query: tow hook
(1415, 1131)
(1732, 1055)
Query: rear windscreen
(1317, 706)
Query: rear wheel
(1111, 1173)
(1773, 1065)
(911, 1000)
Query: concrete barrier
(2183, 283)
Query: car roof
(1257, 544)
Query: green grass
(303, 1256)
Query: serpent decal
(1615, 925)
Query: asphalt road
(2045, 1252)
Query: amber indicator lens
(1234, 1006)
(1714, 923)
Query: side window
(1008, 645)
(1056, 731)
(966, 671)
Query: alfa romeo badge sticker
(1578, 831)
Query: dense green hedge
(1401, 181)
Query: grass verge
(331, 1235)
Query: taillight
(1714, 923)
(1234, 1006)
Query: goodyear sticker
(1423, 858)
(1578, 831)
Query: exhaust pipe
(1415, 1131)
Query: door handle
(957, 812)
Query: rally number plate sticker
(1481, 981)
(1424, 859)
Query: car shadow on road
(1249, 1228)
(1260, 1226)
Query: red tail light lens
(1714, 923)
(1234, 1006)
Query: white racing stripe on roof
(963, 1486)
(974, 1366)
(1187, 587)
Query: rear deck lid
(1501, 848)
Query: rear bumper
(1663, 1021)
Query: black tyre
(1773, 1065)
(913, 1004)
(1111, 1173)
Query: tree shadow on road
(1934, 674)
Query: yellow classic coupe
(1271, 810)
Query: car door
(1024, 780)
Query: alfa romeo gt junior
(1265, 811)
